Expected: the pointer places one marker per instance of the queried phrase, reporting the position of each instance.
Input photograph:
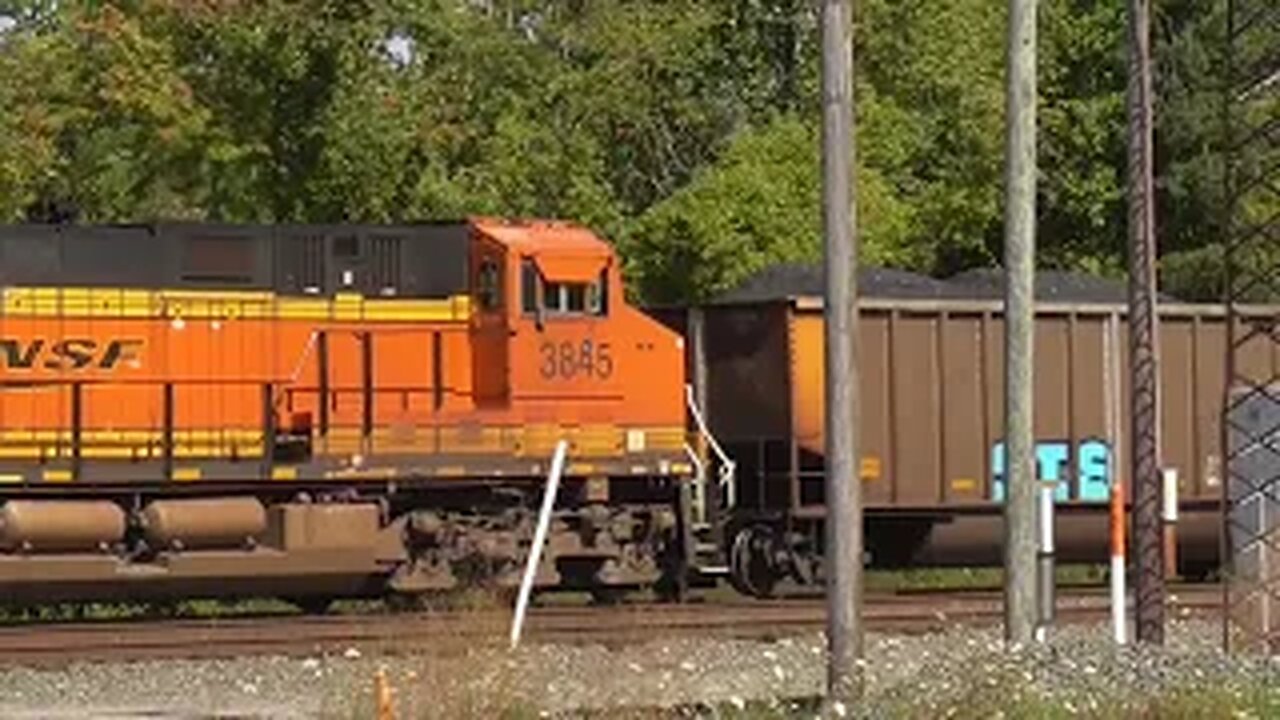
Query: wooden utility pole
(843, 485)
(1019, 259)
(1145, 470)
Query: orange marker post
(382, 694)
(1118, 564)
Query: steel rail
(455, 631)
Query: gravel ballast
(965, 672)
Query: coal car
(931, 417)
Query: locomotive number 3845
(567, 359)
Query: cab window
(529, 278)
(565, 297)
(560, 298)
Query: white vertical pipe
(1170, 514)
(1119, 631)
(1047, 491)
(1045, 571)
(539, 538)
(1169, 521)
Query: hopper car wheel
(752, 569)
(1198, 572)
(312, 605)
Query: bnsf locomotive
(325, 411)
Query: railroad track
(399, 633)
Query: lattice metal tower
(1251, 422)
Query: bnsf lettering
(68, 354)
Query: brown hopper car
(931, 388)
(320, 411)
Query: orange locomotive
(319, 411)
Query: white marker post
(1170, 518)
(1048, 601)
(539, 538)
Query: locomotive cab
(556, 317)
(550, 308)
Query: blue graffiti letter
(1095, 466)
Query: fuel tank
(206, 523)
(60, 525)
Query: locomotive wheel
(670, 590)
(606, 595)
(751, 567)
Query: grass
(194, 609)
(931, 579)
(1210, 703)
(112, 611)
(964, 578)
(1007, 696)
(483, 687)
(1255, 701)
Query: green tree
(758, 205)
(929, 149)
(98, 115)
(684, 129)
(1082, 151)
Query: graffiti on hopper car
(1091, 481)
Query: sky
(400, 47)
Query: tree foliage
(686, 130)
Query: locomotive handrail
(699, 499)
(727, 467)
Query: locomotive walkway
(445, 631)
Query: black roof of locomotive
(410, 260)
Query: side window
(528, 287)
(561, 298)
(598, 295)
(574, 298)
(489, 285)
